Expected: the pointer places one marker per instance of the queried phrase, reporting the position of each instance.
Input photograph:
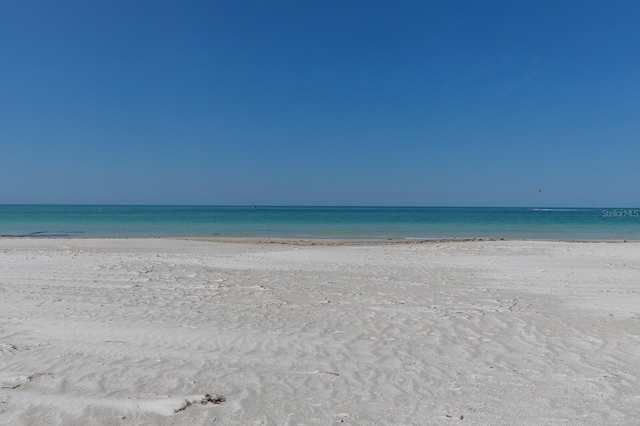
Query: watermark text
(620, 213)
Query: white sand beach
(124, 332)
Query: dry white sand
(122, 332)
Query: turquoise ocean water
(318, 222)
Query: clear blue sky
(458, 103)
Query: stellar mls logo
(620, 213)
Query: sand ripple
(126, 331)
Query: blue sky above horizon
(456, 103)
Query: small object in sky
(539, 190)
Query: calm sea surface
(318, 222)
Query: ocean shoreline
(323, 241)
(386, 241)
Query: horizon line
(312, 205)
